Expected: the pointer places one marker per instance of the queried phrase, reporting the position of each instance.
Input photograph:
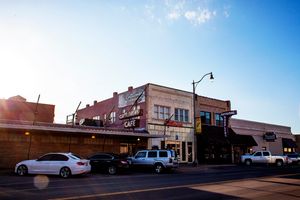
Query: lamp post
(195, 84)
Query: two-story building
(159, 110)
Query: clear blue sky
(70, 51)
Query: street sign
(232, 112)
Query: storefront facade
(275, 138)
(169, 113)
(20, 140)
(163, 112)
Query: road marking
(159, 189)
(126, 192)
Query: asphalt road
(203, 182)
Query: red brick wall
(107, 106)
(24, 111)
(15, 145)
(211, 105)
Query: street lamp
(194, 104)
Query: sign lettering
(232, 112)
(132, 123)
(130, 114)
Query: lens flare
(41, 182)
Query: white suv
(157, 159)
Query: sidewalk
(6, 171)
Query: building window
(112, 117)
(288, 150)
(161, 112)
(181, 115)
(136, 107)
(205, 117)
(219, 119)
(96, 117)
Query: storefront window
(288, 150)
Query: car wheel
(65, 172)
(112, 170)
(279, 163)
(158, 168)
(248, 162)
(22, 170)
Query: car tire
(248, 162)
(158, 168)
(112, 170)
(22, 170)
(65, 172)
(279, 163)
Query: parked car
(158, 160)
(264, 157)
(108, 162)
(294, 157)
(62, 164)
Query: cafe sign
(131, 114)
(131, 123)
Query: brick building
(27, 131)
(21, 140)
(17, 108)
(163, 112)
(168, 112)
(275, 138)
(214, 144)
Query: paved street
(203, 182)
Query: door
(266, 158)
(57, 162)
(151, 158)
(41, 165)
(190, 151)
(258, 158)
(139, 158)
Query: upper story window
(181, 115)
(136, 107)
(205, 117)
(219, 119)
(97, 117)
(112, 117)
(161, 112)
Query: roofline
(262, 123)
(69, 129)
(184, 91)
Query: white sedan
(63, 164)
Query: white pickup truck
(264, 157)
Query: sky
(72, 51)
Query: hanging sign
(198, 125)
(226, 116)
(132, 123)
(229, 113)
(130, 114)
(269, 136)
